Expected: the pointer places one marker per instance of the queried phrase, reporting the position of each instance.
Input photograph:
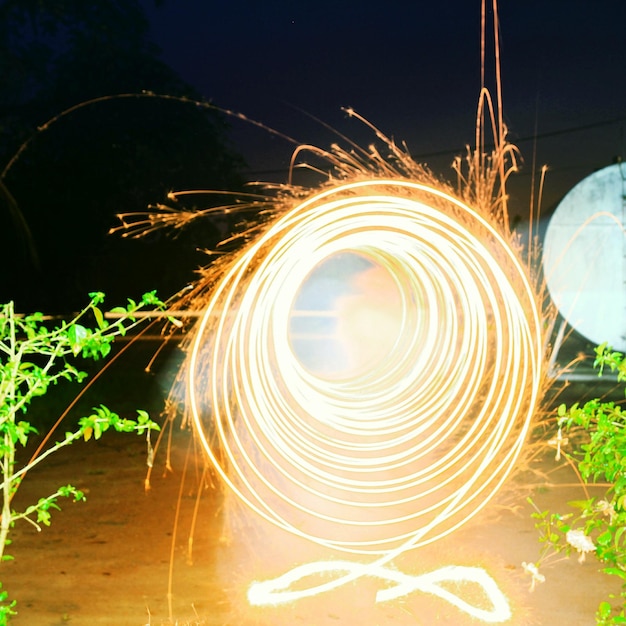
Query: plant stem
(26, 468)
(8, 456)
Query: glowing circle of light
(397, 456)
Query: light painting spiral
(420, 425)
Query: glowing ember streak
(399, 455)
(277, 591)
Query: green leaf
(105, 348)
(604, 610)
(97, 297)
(69, 491)
(22, 430)
(151, 299)
(615, 571)
(76, 335)
(618, 534)
(580, 504)
(33, 318)
(605, 538)
(99, 318)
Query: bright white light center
(347, 317)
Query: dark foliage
(114, 156)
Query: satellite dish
(584, 257)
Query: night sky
(413, 70)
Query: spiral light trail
(404, 446)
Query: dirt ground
(107, 561)
(121, 558)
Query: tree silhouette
(111, 156)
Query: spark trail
(395, 456)
(421, 412)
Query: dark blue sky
(413, 70)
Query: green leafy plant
(595, 525)
(33, 356)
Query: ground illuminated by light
(421, 423)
